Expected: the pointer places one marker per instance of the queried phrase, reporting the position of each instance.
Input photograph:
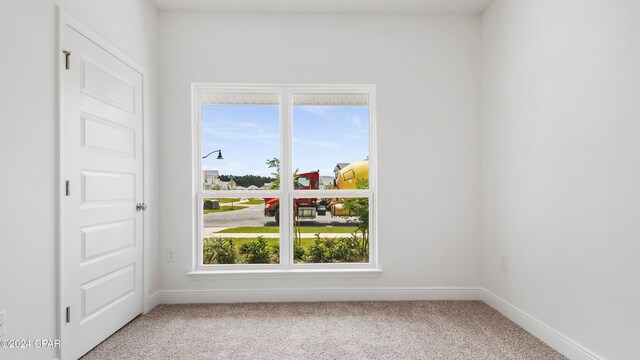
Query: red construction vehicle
(308, 209)
(305, 208)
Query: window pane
(241, 146)
(331, 230)
(240, 231)
(330, 145)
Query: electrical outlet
(171, 256)
(3, 324)
(505, 263)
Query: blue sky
(249, 135)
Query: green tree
(360, 207)
(247, 180)
(274, 164)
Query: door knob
(141, 206)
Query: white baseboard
(558, 341)
(152, 301)
(326, 294)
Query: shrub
(298, 253)
(338, 250)
(219, 251)
(275, 253)
(354, 249)
(256, 251)
(344, 249)
(318, 252)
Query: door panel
(102, 159)
(100, 240)
(106, 85)
(104, 136)
(103, 291)
(106, 186)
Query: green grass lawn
(224, 209)
(225, 200)
(276, 229)
(253, 202)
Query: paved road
(254, 216)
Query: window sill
(283, 273)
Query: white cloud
(356, 120)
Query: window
(284, 177)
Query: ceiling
(330, 6)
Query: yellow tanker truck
(348, 180)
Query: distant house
(211, 177)
(326, 182)
(253, 187)
(339, 166)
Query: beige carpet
(328, 330)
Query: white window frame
(286, 193)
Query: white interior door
(101, 241)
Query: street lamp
(219, 154)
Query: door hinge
(68, 314)
(67, 187)
(67, 60)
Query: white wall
(561, 166)
(28, 150)
(426, 69)
(559, 159)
